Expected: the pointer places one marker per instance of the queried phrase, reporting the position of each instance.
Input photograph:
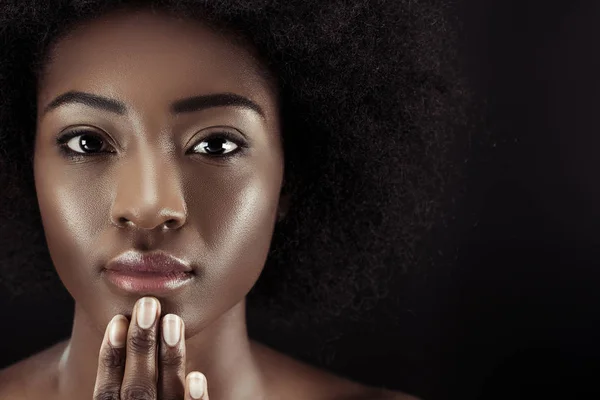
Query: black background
(511, 308)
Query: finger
(196, 386)
(140, 376)
(111, 361)
(171, 383)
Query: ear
(284, 205)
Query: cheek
(71, 206)
(236, 217)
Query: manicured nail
(171, 329)
(146, 312)
(117, 331)
(196, 380)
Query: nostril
(171, 223)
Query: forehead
(140, 56)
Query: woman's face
(141, 155)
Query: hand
(136, 363)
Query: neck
(222, 351)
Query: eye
(215, 146)
(83, 142)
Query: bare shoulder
(298, 380)
(31, 377)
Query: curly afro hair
(371, 103)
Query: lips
(157, 263)
(150, 273)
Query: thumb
(196, 387)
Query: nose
(149, 194)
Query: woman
(180, 147)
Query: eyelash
(63, 140)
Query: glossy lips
(147, 273)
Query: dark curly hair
(371, 102)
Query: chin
(189, 300)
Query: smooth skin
(121, 162)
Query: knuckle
(142, 342)
(138, 392)
(107, 393)
(113, 358)
(172, 359)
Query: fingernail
(196, 385)
(146, 312)
(117, 332)
(171, 329)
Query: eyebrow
(187, 105)
(90, 100)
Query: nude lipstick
(147, 273)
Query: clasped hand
(138, 363)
